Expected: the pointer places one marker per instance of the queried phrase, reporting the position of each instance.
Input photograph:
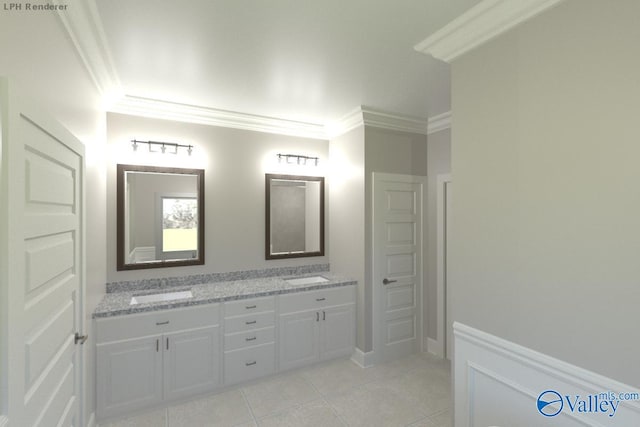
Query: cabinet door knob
(387, 281)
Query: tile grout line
(324, 399)
(246, 402)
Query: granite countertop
(118, 303)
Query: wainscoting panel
(499, 383)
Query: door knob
(387, 281)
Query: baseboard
(532, 388)
(362, 359)
(92, 420)
(434, 347)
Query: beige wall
(438, 162)
(235, 163)
(546, 208)
(38, 56)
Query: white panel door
(191, 362)
(129, 375)
(299, 336)
(397, 264)
(42, 174)
(337, 332)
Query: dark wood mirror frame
(120, 208)
(268, 179)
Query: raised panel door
(337, 331)
(129, 375)
(191, 362)
(299, 333)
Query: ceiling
(301, 60)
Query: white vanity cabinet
(249, 339)
(143, 359)
(316, 325)
(150, 358)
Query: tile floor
(414, 391)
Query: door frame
(441, 265)
(376, 318)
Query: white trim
(366, 116)
(521, 374)
(440, 341)
(82, 22)
(154, 108)
(439, 122)
(92, 420)
(481, 23)
(4, 421)
(362, 359)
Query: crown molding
(157, 109)
(366, 116)
(481, 23)
(84, 26)
(439, 122)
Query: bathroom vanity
(169, 347)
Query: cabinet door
(129, 375)
(191, 362)
(338, 331)
(299, 339)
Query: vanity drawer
(309, 300)
(249, 338)
(248, 306)
(136, 325)
(249, 363)
(249, 322)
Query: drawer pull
(317, 316)
(324, 315)
(162, 323)
(253, 322)
(251, 339)
(320, 299)
(250, 363)
(249, 307)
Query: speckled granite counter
(118, 303)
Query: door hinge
(81, 338)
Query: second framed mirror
(294, 216)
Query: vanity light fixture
(163, 146)
(297, 159)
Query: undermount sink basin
(167, 296)
(306, 280)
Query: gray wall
(346, 216)
(235, 163)
(38, 55)
(355, 156)
(546, 205)
(438, 162)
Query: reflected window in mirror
(294, 216)
(160, 217)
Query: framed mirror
(160, 217)
(294, 216)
